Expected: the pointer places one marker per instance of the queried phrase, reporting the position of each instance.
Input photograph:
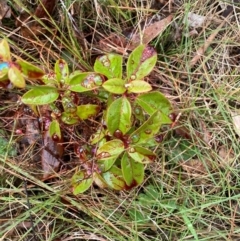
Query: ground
(191, 192)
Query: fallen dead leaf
(122, 44)
(50, 155)
(149, 33)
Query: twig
(203, 48)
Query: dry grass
(192, 191)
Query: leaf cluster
(131, 118)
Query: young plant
(131, 118)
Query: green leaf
(69, 118)
(153, 101)
(83, 82)
(61, 70)
(99, 181)
(54, 129)
(30, 70)
(40, 95)
(81, 182)
(147, 130)
(115, 86)
(86, 111)
(141, 154)
(97, 136)
(119, 116)
(68, 104)
(138, 86)
(114, 178)
(109, 65)
(141, 62)
(133, 172)
(4, 51)
(16, 77)
(108, 153)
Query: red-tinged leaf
(81, 182)
(99, 181)
(54, 129)
(141, 62)
(4, 51)
(114, 178)
(119, 116)
(115, 86)
(133, 172)
(51, 152)
(83, 82)
(16, 77)
(109, 65)
(84, 112)
(40, 95)
(138, 86)
(141, 154)
(30, 70)
(61, 71)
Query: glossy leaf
(61, 70)
(114, 178)
(141, 154)
(69, 118)
(108, 153)
(81, 182)
(30, 70)
(119, 116)
(109, 65)
(110, 148)
(141, 62)
(16, 77)
(133, 172)
(106, 163)
(115, 86)
(40, 95)
(153, 101)
(147, 130)
(54, 129)
(68, 105)
(4, 51)
(83, 82)
(86, 111)
(138, 86)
